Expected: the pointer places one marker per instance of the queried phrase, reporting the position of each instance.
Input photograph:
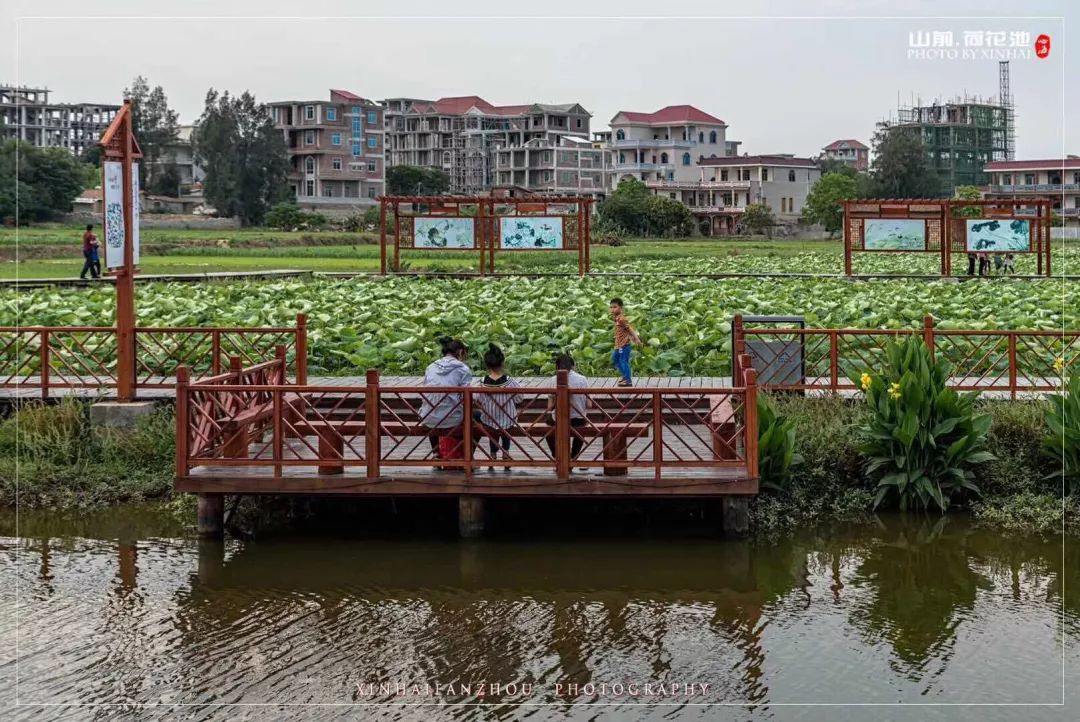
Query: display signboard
(442, 233)
(894, 234)
(998, 236)
(114, 213)
(135, 208)
(531, 233)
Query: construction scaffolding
(962, 135)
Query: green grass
(53, 252)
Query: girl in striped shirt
(497, 412)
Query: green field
(53, 252)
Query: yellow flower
(1059, 363)
(866, 380)
(894, 391)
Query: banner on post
(113, 185)
(134, 214)
(114, 213)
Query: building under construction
(962, 136)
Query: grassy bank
(64, 464)
(830, 485)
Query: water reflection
(914, 610)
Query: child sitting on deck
(442, 413)
(579, 403)
(497, 413)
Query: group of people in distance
(443, 414)
(1002, 265)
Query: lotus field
(392, 323)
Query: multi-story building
(960, 137)
(336, 149)
(181, 153)
(461, 135)
(850, 152)
(27, 114)
(572, 167)
(1057, 179)
(722, 187)
(664, 146)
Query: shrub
(1063, 443)
(921, 437)
(284, 216)
(289, 217)
(776, 446)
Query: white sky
(781, 84)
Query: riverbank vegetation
(65, 464)
(51, 457)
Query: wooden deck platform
(31, 390)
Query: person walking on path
(90, 250)
(625, 338)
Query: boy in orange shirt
(625, 337)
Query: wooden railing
(1003, 361)
(48, 358)
(376, 431)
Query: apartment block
(462, 136)
(720, 188)
(336, 149)
(1057, 179)
(574, 167)
(26, 114)
(848, 151)
(665, 145)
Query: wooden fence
(817, 359)
(49, 358)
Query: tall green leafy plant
(922, 438)
(776, 446)
(1063, 443)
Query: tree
(166, 181)
(625, 210)
(47, 182)
(155, 126)
(668, 217)
(92, 155)
(632, 209)
(835, 165)
(411, 180)
(823, 201)
(758, 217)
(244, 156)
(968, 193)
(900, 168)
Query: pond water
(121, 609)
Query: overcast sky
(782, 84)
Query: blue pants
(621, 358)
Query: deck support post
(470, 516)
(211, 560)
(211, 523)
(736, 515)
